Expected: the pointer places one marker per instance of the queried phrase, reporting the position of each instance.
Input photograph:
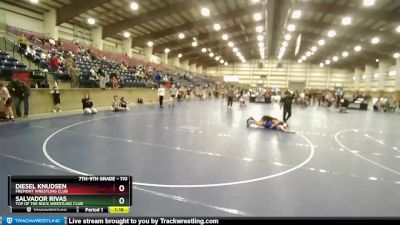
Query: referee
(287, 102)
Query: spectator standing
(26, 94)
(74, 72)
(69, 62)
(54, 65)
(56, 99)
(102, 76)
(16, 89)
(23, 43)
(230, 95)
(174, 93)
(5, 99)
(161, 94)
(113, 79)
(158, 77)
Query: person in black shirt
(287, 102)
(56, 99)
(26, 95)
(87, 105)
(17, 89)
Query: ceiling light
(291, 27)
(321, 42)
(398, 29)
(235, 49)
(181, 35)
(180, 55)
(308, 54)
(296, 14)
(327, 62)
(331, 33)
(284, 44)
(259, 29)
(217, 58)
(261, 44)
(35, 1)
(369, 2)
(392, 73)
(134, 6)
(225, 37)
(221, 61)
(150, 44)
(91, 21)
(260, 37)
(358, 48)
(377, 60)
(257, 16)
(335, 58)
(205, 12)
(314, 48)
(288, 37)
(303, 57)
(364, 76)
(204, 50)
(194, 44)
(375, 40)
(346, 21)
(345, 54)
(396, 55)
(354, 78)
(211, 54)
(321, 65)
(217, 27)
(166, 50)
(238, 54)
(127, 34)
(226, 63)
(230, 44)
(376, 75)
(300, 61)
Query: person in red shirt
(54, 65)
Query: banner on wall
(231, 79)
(298, 45)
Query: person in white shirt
(5, 98)
(161, 94)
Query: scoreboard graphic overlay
(74, 194)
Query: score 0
(121, 200)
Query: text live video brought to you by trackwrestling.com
(59, 220)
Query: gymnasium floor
(200, 159)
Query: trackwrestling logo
(21, 220)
